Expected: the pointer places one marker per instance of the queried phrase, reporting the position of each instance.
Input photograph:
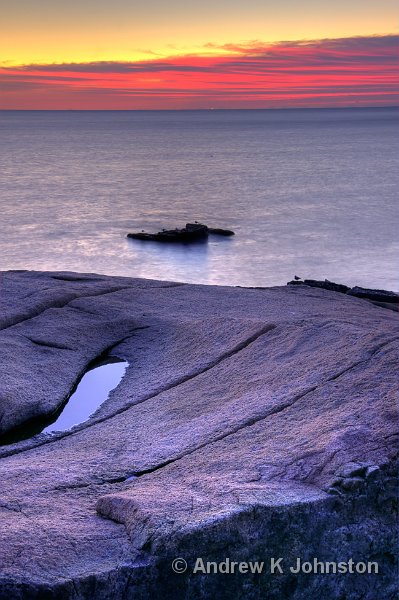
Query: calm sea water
(308, 192)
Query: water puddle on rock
(92, 390)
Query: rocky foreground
(251, 424)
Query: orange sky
(226, 54)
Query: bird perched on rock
(297, 278)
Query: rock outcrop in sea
(251, 424)
(192, 232)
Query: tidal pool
(92, 390)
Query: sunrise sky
(181, 54)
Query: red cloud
(339, 72)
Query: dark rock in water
(374, 295)
(217, 231)
(325, 285)
(250, 425)
(383, 298)
(192, 232)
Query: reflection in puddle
(92, 390)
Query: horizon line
(378, 107)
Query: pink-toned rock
(250, 424)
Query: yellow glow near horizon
(53, 38)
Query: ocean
(309, 192)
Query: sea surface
(312, 193)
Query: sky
(185, 54)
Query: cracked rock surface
(250, 424)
